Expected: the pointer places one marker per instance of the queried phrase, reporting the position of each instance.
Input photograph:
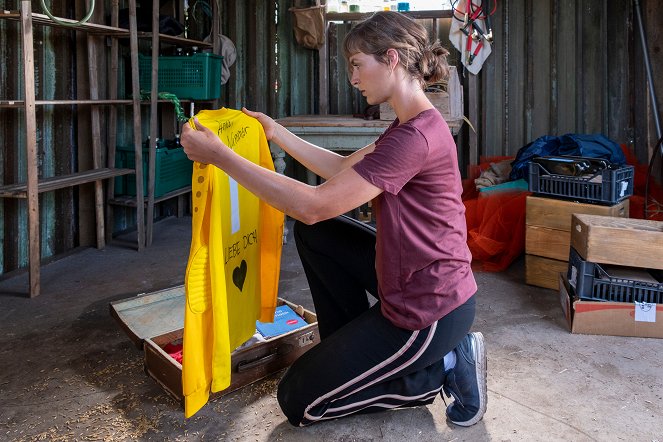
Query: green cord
(64, 23)
(145, 95)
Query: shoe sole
(481, 371)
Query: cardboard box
(544, 272)
(156, 319)
(618, 241)
(609, 318)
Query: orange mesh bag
(640, 182)
(495, 222)
(497, 236)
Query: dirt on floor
(68, 372)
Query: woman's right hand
(268, 124)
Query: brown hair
(384, 30)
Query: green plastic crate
(172, 169)
(193, 77)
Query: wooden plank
(323, 76)
(516, 75)
(93, 72)
(620, 127)
(90, 28)
(20, 103)
(154, 109)
(539, 71)
(494, 88)
(548, 243)
(130, 201)
(529, 69)
(554, 60)
(473, 104)
(175, 40)
(357, 16)
(254, 93)
(556, 214)
(31, 148)
(565, 86)
(544, 272)
(62, 181)
(113, 71)
(138, 149)
(272, 58)
(592, 68)
(618, 241)
(284, 34)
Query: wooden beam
(154, 96)
(31, 148)
(93, 71)
(138, 155)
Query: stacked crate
(614, 283)
(618, 260)
(548, 215)
(548, 235)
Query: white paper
(645, 311)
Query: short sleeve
(398, 156)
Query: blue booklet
(285, 320)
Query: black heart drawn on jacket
(239, 275)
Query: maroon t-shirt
(422, 258)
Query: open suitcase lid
(150, 314)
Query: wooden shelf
(21, 103)
(355, 16)
(130, 201)
(175, 40)
(96, 29)
(90, 28)
(62, 181)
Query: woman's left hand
(202, 145)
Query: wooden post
(31, 148)
(154, 97)
(112, 117)
(138, 150)
(96, 139)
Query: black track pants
(363, 363)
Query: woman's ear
(392, 56)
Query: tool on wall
(471, 31)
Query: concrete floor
(68, 372)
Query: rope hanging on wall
(66, 23)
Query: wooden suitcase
(152, 320)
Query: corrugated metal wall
(272, 73)
(557, 66)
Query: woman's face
(370, 76)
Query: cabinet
(98, 36)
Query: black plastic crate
(608, 187)
(592, 281)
